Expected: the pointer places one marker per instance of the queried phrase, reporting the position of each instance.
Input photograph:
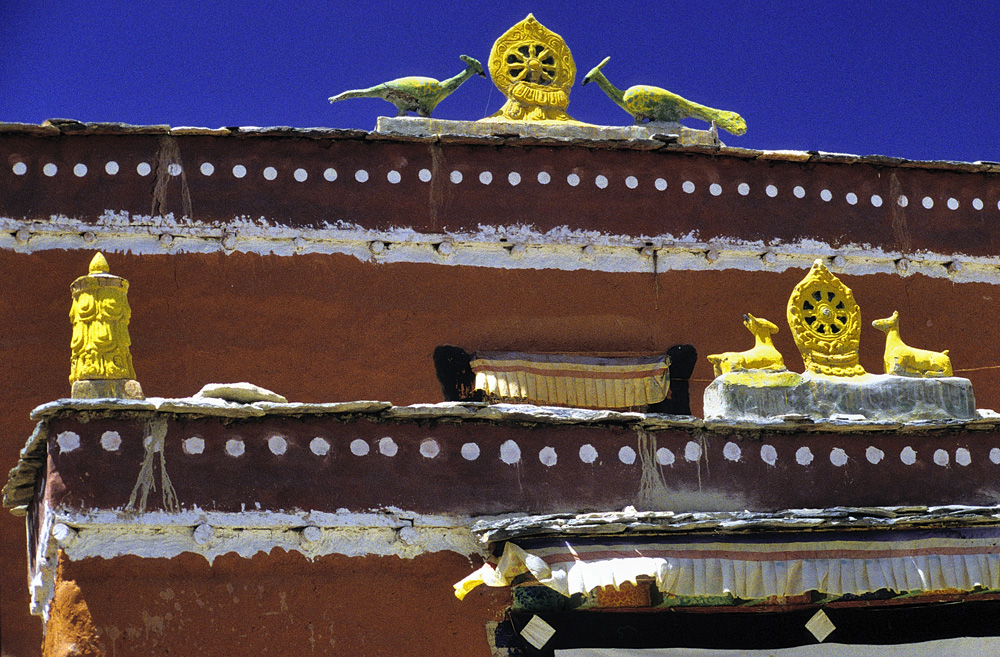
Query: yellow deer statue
(762, 356)
(904, 360)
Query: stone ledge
(757, 396)
(412, 126)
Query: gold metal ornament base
(107, 389)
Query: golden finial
(534, 69)
(101, 361)
(99, 265)
(826, 324)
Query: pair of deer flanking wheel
(826, 325)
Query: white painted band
(503, 247)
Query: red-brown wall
(277, 604)
(332, 328)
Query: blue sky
(910, 79)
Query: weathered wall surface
(277, 604)
(333, 328)
(327, 266)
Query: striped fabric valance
(581, 381)
(758, 566)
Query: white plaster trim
(391, 532)
(109, 534)
(523, 247)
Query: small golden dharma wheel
(533, 67)
(101, 361)
(826, 324)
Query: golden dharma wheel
(826, 323)
(533, 67)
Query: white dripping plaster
(560, 248)
(42, 583)
(107, 534)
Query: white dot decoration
(771, 191)
(235, 447)
(732, 451)
(429, 448)
(715, 189)
(19, 168)
(573, 180)
(548, 457)
(826, 195)
(393, 177)
(963, 457)
(359, 447)
(799, 191)
(941, 457)
(902, 201)
(908, 456)
(995, 455)
(300, 175)
(194, 445)
(68, 441)
(514, 178)
(769, 454)
(50, 169)
(387, 446)
(470, 451)
(928, 202)
(174, 169)
(660, 184)
(953, 204)
(626, 455)
(977, 203)
(455, 177)
(361, 175)
(601, 181)
(277, 445)
(632, 182)
(207, 168)
(424, 175)
(874, 455)
(510, 453)
(330, 174)
(692, 451)
(588, 454)
(743, 189)
(270, 173)
(239, 171)
(803, 456)
(852, 198)
(876, 200)
(664, 456)
(688, 187)
(111, 441)
(486, 177)
(319, 446)
(838, 457)
(544, 178)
